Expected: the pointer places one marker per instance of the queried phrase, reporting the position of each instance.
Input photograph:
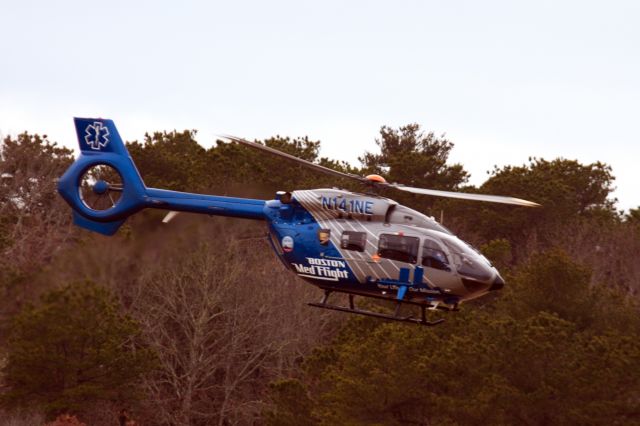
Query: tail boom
(206, 204)
(101, 145)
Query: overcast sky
(505, 80)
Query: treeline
(197, 323)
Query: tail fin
(103, 186)
(98, 135)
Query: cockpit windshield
(404, 215)
(458, 246)
(468, 261)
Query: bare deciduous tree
(225, 321)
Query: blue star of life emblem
(97, 135)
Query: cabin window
(433, 256)
(353, 240)
(398, 247)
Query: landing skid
(395, 317)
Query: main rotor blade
(467, 196)
(434, 192)
(290, 157)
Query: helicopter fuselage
(364, 243)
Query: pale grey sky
(504, 80)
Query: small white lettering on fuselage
(395, 287)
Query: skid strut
(395, 317)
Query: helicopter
(359, 244)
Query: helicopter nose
(498, 283)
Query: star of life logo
(96, 135)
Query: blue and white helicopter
(340, 241)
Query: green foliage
(34, 221)
(174, 160)
(71, 350)
(291, 397)
(33, 156)
(550, 282)
(633, 217)
(29, 166)
(413, 158)
(171, 160)
(571, 187)
(410, 157)
(541, 355)
(498, 252)
(275, 173)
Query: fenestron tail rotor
(378, 181)
(100, 187)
